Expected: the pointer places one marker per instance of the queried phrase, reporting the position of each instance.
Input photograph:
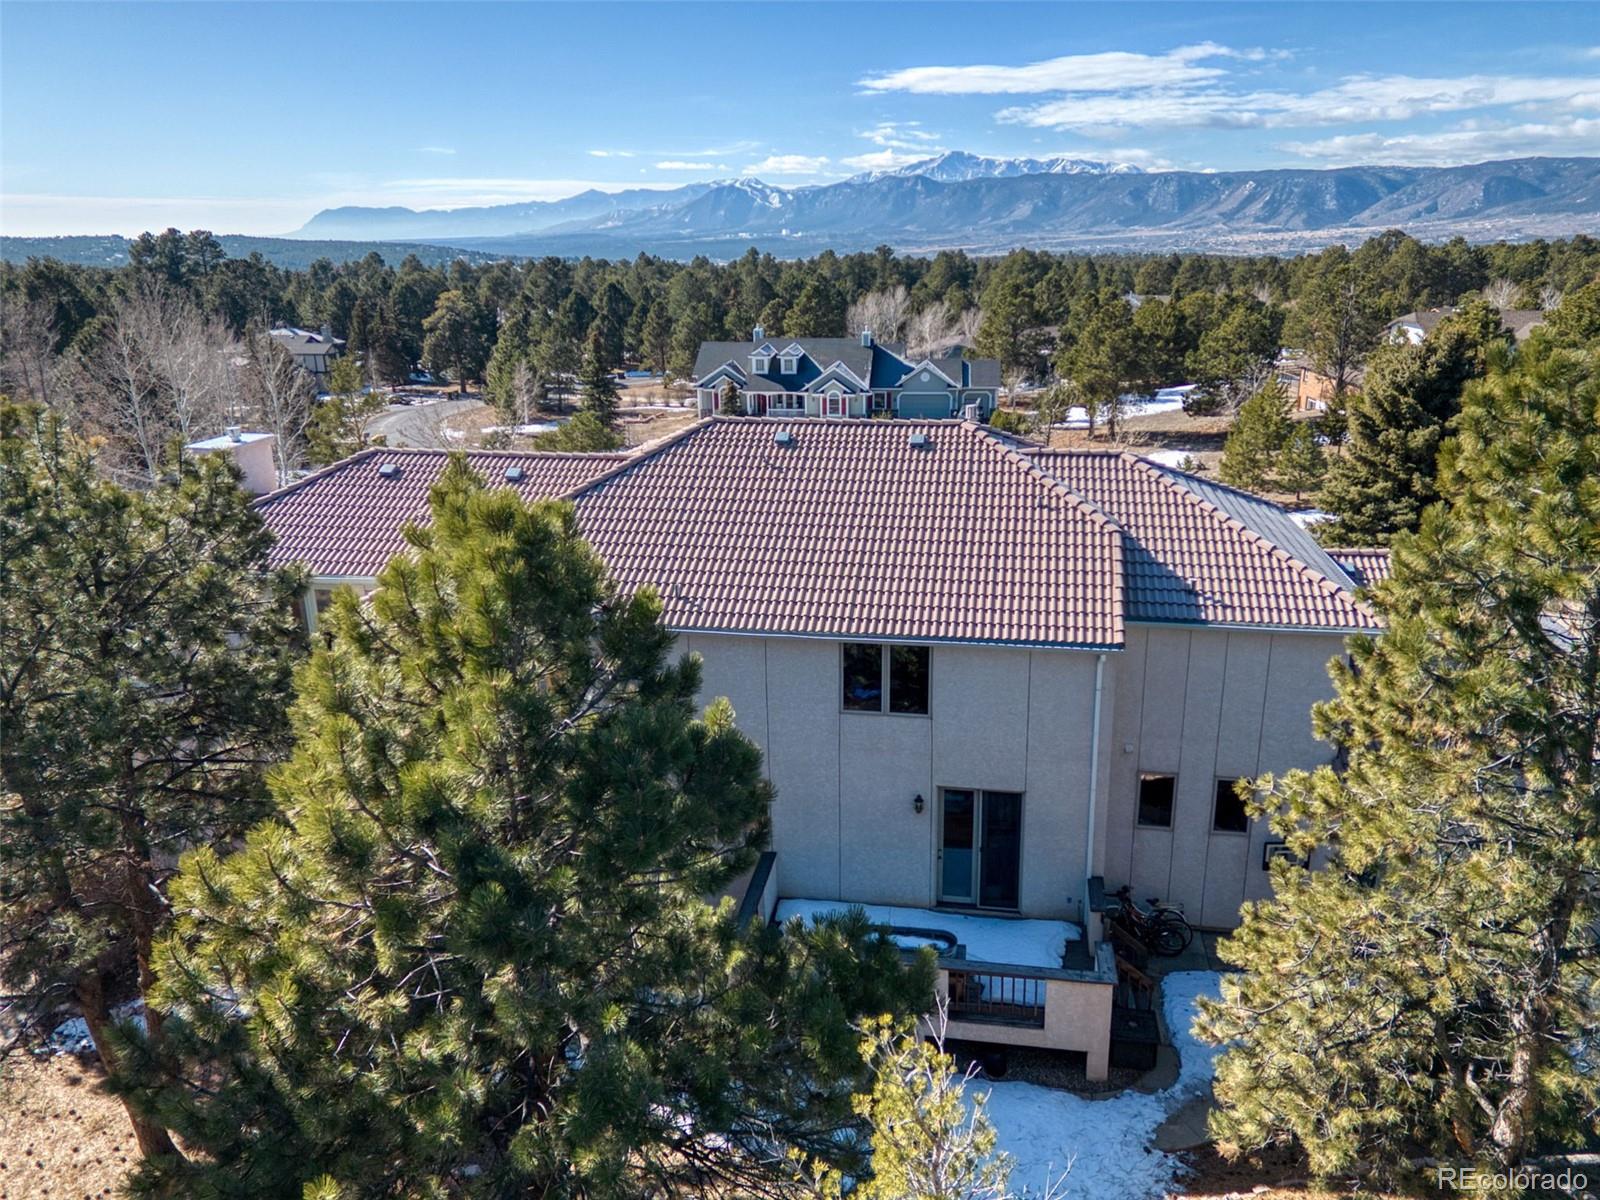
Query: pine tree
(338, 426)
(457, 335)
(472, 944)
(656, 336)
(1434, 986)
(1250, 455)
(147, 656)
(1301, 465)
(599, 388)
(731, 402)
(818, 312)
(1385, 477)
(931, 1139)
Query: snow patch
(72, 1036)
(1019, 942)
(1106, 1142)
(1172, 458)
(1306, 518)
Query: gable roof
(851, 530)
(882, 364)
(1203, 553)
(346, 520)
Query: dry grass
(60, 1134)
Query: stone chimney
(252, 454)
(866, 337)
(757, 334)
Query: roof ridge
(641, 454)
(1315, 576)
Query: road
(417, 424)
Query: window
(759, 363)
(1155, 800)
(1229, 815)
(788, 365)
(885, 679)
(880, 401)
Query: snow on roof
(1014, 941)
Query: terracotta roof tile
(347, 518)
(1200, 552)
(1366, 565)
(850, 530)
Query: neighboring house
(984, 677)
(312, 352)
(1414, 326)
(1308, 389)
(842, 377)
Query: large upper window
(788, 364)
(885, 678)
(1229, 815)
(1155, 800)
(759, 363)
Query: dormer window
(759, 363)
(788, 364)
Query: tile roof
(851, 530)
(1200, 552)
(1367, 565)
(346, 520)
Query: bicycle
(1160, 928)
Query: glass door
(958, 847)
(980, 848)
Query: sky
(249, 118)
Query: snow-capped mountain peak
(958, 166)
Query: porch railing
(990, 996)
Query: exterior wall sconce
(917, 803)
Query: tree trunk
(154, 1141)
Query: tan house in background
(986, 679)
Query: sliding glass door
(980, 847)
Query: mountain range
(959, 200)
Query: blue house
(842, 377)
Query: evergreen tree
(731, 402)
(656, 338)
(457, 335)
(1301, 465)
(1385, 477)
(599, 388)
(147, 656)
(581, 433)
(819, 312)
(338, 425)
(1103, 362)
(1434, 986)
(1250, 455)
(1233, 355)
(1337, 319)
(472, 945)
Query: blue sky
(249, 118)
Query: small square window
(908, 679)
(1229, 815)
(863, 677)
(1155, 800)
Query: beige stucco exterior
(1198, 703)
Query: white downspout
(1094, 786)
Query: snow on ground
(1309, 517)
(1172, 458)
(1024, 943)
(523, 430)
(1167, 400)
(1106, 1142)
(72, 1036)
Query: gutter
(1094, 784)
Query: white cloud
(1110, 71)
(456, 192)
(678, 164)
(611, 154)
(37, 214)
(1355, 98)
(1461, 145)
(788, 164)
(435, 150)
(884, 160)
(901, 135)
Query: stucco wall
(843, 820)
(1204, 704)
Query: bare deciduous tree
(885, 313)
(277, 397)
(161, 370)
(1550, 297)
(29, 366)
(1502, 293)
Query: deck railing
(990, 996)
